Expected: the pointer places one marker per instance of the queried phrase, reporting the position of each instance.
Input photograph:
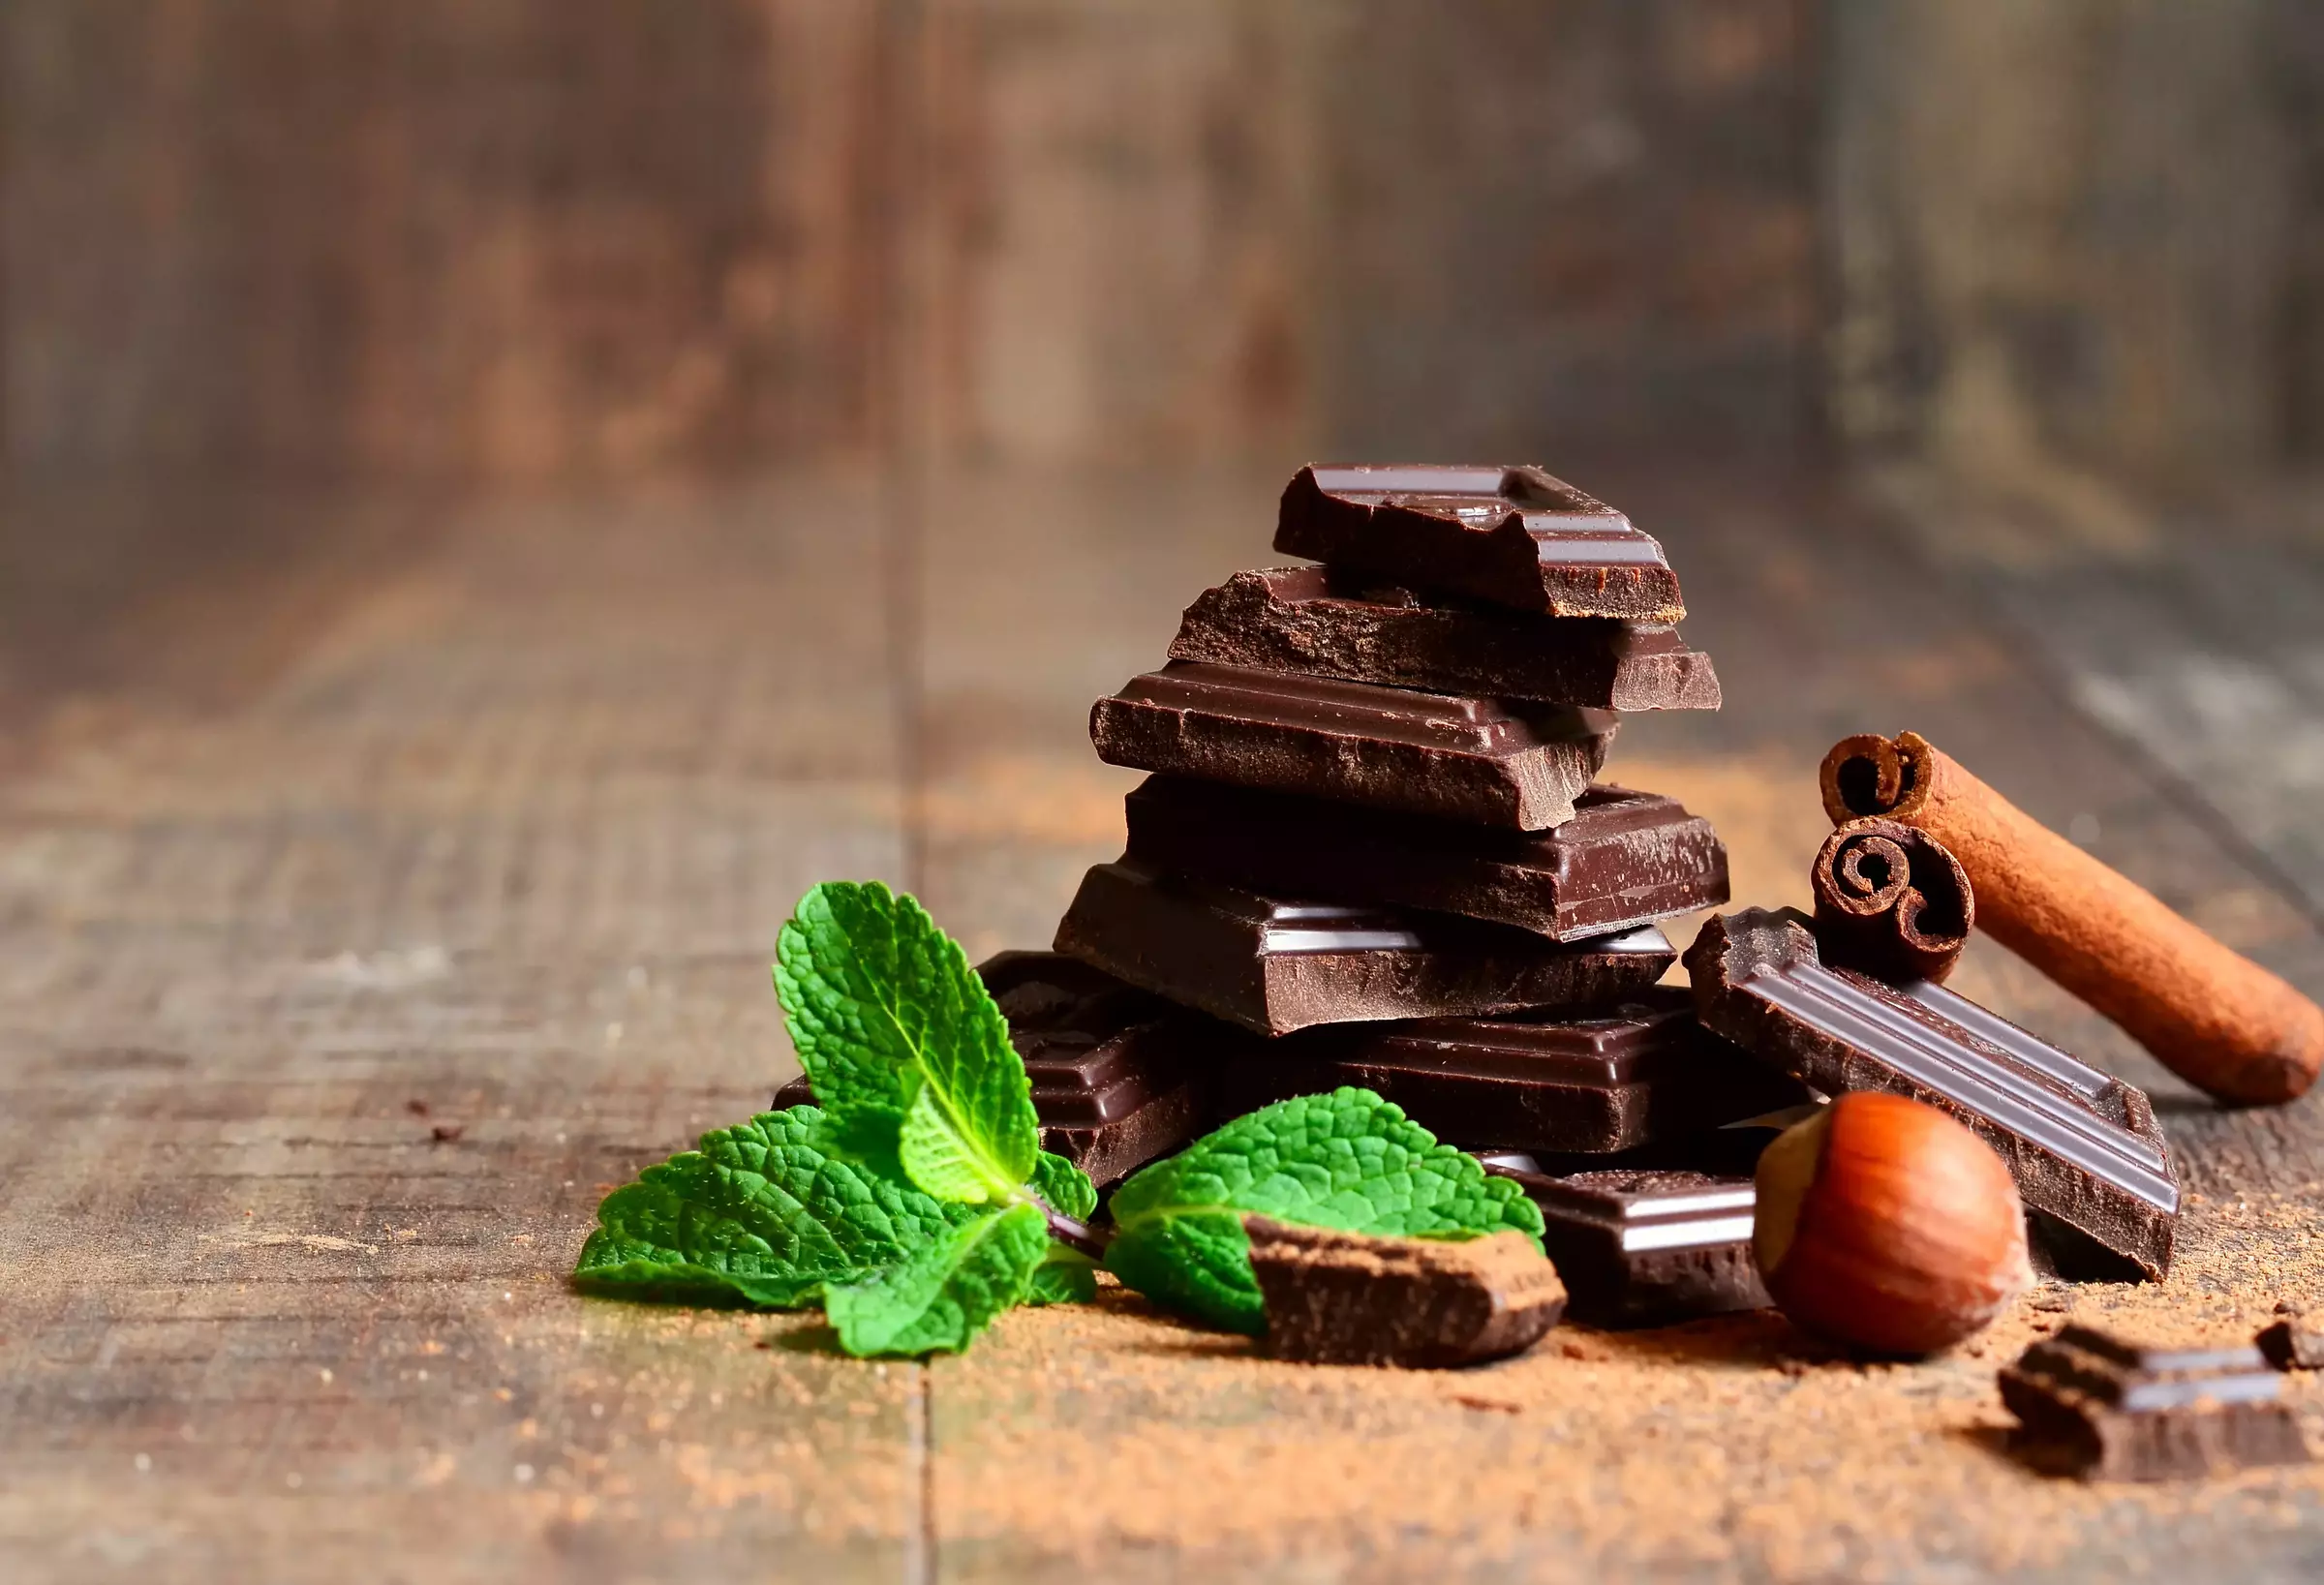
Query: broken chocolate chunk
(2093, 1406)
(1347, 1299)
(1647, 1248)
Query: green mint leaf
(944, 1295)
(1064, 1276)
(1347, 1160)
(1063, 1187)
(897, 1034)
(757, 1214)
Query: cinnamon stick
(1892, 902)
(2212, 1016)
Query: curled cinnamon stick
(2212, 1016)
(1892, 902)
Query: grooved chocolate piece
(1624, 860)
(1390, 749)
(2292, 1344)
(1648, 1248)
(1339, 623)
(1605, 1079)
(1275, 965)
(1346, 1298)
(1119, 1078)
(2092, 1405)
(2082, 1145)
(1511, 535)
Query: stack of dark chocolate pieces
(1372, 849)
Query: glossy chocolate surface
(1602, 1080)
(1640, 1248)
(1625, 858)
(1512, 536)
(1326, 623)
(1276, 966)
(1390, 749)
(2094, 1405)
(2082, 1145)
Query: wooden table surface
(382, 884)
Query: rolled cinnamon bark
(1892, 902)
(2212, 1016)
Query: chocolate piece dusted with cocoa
(1347, 1299)
(1388, 749)
(1327, 622)
(2095, 1406)
(1892, 902)
(1275, 965)
(2294, 1343)
(1511, 535)
(2082, 1146)
(1647, 1248)
(1625, 858)
(1597, 1080)
(1120, 1077)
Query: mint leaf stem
(1074, 1234)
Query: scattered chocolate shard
(1439, 755)
(2082, 1147)
(1274, 965)
(1336, 622)
(2292, 1344)
(1119, 1078)
(1347, 1299)
(1512, 536)
(1647, 1248)
(2092, 1405)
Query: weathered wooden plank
(2064, 230)
(327, 1021)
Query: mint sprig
(914, 1202)
(896, 1033)
(944, 1295)
(1347, 1160)
(756, 1214)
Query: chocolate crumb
(2291, 1344)
(1492, 1405)
(416, 1106)
(447, 1133)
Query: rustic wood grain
(507, 832)
(329, 1016)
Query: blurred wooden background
(512, 240)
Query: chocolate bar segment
(2092, 1405)
(1347, 1298)
(1328, 622)
(1391, 748)
(1605, 1079)
(1515, 536)
(1624, 860)
(1648, 1248)
(1276, 966)
(2083, 1146)
(1119, 1078)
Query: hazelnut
(1885, 1224)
